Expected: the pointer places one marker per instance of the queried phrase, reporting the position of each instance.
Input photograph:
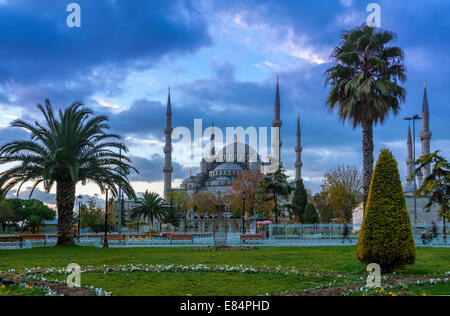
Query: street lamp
(105, 239)
(80, 198)
(444, 214)
(414, 119)
(243, 195)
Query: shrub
(300, 200)
(386, 236)
(311, 216)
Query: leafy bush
(311, 216)
(386, 235)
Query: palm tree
(437, 184)
(151, 206)
(73, 147)
(364, 84)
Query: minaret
(409, 160)
(168, 169)
(298, 150)
(425, 134)
(277, 122)
(213, 138)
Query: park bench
(114, 237)
(246, 238)
(11, 239)
(181, 237)
(35, 238)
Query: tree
(323, 206)
(73, 147)
(172, 215)
(343, 185)
(7, 216)
(364, 84)
(275, 186)
(30, 212)
(177, 204)
(248, 182)
(386, 235)
(204, 203)
(91, 217)
(437, 184)
(149, 207)
(311, 216)
(180, 200)
(299, 200)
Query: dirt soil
(59, 288)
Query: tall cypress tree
(300, 200)
(386, 235)
(311, 216)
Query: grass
(197, 283)
(430, 262)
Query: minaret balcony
(277, 123)
(425, 135)
(168, 150)
(167, 169)
(168, 131)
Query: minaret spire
(168, 169)
(277, 123)
(298, 150)
(425, 134)
(409, 160)
(213, 138)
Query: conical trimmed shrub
(386, 235)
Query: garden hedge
(386, 235)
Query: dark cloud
(144, 117)
(150, 170)
(43, 196)
(40, 53)
(9, 134)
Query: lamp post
(119, 208)
(105, 239)
(243, 195)
(80, 198)
(444, 205)
(414, 119)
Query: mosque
(218, 176)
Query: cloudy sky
(220, 59)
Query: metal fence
(277, 235)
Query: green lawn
(198, 283)
(330, 259)
(430, 262)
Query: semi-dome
(228, 166)
(222, 179)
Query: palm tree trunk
(367, 158)
(65, 198)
